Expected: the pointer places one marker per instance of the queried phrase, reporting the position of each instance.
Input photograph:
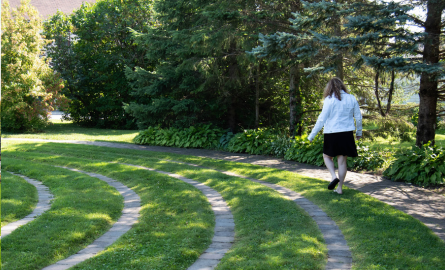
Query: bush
(301, 150)
(200, 136)
(251, 141)
(366, 160)
(423, 166)
(391, 127)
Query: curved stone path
(130, 215)
(43, 205)
(422, 204)
(339, 255)
(224, 225)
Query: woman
(337, 116)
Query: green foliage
(200, 136)
(306, 152)
(367, 160)
(391, 127)
(424, 166)
(197, 71)
(92, 48)
(224, 140)
(30, 88)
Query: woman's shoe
(333, 184)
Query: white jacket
(338, 116)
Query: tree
(91, 49)
(205, 74)
(375, 34)
(30, 88)
(418, 53)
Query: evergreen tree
(205, 75)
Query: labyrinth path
(43, 204)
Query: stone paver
(224, 225)
(43, 205)
(130, 215)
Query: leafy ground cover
(271, 232)
(380, 237)
(18, 198)
(83, 209)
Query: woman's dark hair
(333, 87)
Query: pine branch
(416, 20)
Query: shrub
(200, 136)
(301, 150)
(251, 141)
(424, 166)
(391, 127)
(366, 160)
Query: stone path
(339, 255)
(130, 215)
(43, 205)
(426, 206)
(224, 225)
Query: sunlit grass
(18, 198)
(83, 209)
(64, 130)
(271, 232)
(380, 237)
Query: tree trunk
(294, 100)
(257, 96)
(339, 57)
(428, 91)
(232, 85)
(391, 91)
(376, 92)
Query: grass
(66, 130)
(18, 198)
(83, 209)
(380, 237)
(265, 238)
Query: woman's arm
(321, 120)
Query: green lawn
(83, 209)
(65, 130)
(271, 232)
(18, 198)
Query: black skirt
(340, 144)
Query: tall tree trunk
(232, 85)
(339, 57)
(257, 95)
(428, 91)
(391, 91)
(376, 92)
(294, 100)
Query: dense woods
(246, 64)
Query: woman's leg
(342, 170)
(330, 165)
